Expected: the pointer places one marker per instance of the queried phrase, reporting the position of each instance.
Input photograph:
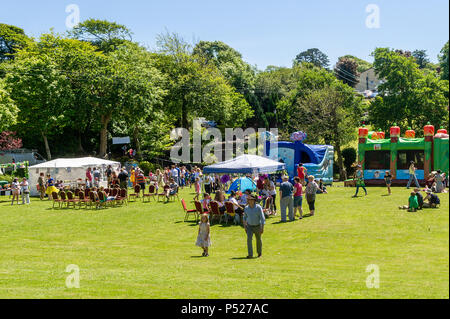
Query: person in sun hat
(254, 222)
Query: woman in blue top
(50, 187)
(359, 176)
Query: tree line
(68, 94)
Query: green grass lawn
(145, 250)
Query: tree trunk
(47, 147)
(104, 135)
(80, 145)
(137, 143)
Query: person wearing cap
(254, 222)
(286, 201)
(412, 175)
(433, 200)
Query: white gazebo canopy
(246, 164)
(75, 162)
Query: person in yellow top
(412, 175)
(133, 177)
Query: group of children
(417, 202)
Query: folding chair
(188, 211)
(166, 187)
(230, 210)
(63, 197)
(56, 199)
(101, 199)
(151, 193)
(93, 199)
(82, 199)
(71, 199)
(215, 211)
(137, 191)
(122, 196)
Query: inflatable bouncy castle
(317, 159)
(377, 154)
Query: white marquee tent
(67, 169)
(246, 164)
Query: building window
(406, 157)
(378, 160)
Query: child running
(203, 238)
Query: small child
(412, 203)
(198, 188)
(388, 180)
(205, 202)
(203, 238)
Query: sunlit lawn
(145, 250)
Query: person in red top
(89, 178)
(298, 197)
(302, 172)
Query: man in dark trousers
(123, 178)
(254, 221)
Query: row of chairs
(97, 199)
(214, 211)
(152, 193)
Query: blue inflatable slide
(317, 159)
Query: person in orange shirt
(302, 172)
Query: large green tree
(324, 107)
(421, 58)
(105, 35)
(408, 96)
(197, 88)
(314, 56)
(12, 38)
(8, 109)
(41, 92)
(443, 61)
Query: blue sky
(265, 32)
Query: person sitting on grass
(419, 198)
(322, 188)
(413, 205)
(433, 200)
(203, 237)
